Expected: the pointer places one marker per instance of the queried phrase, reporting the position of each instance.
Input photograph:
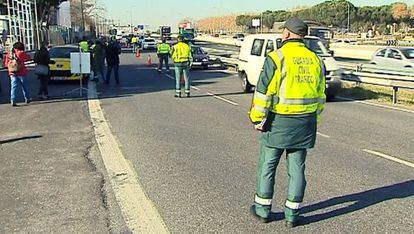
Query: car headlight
(205, 60)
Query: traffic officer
(134, 42)
(84, 45)
(182, 58)
(288, 101)
(163, 52)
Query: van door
(256, 61)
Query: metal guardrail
(371, 74)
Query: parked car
(256, 47)
(398, 58)
(149, 44)
(201, 59)
(61, 69)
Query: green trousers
(269, 159)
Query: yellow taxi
(61, 69)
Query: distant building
(17, 22)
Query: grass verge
(377, 94)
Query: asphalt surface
(51, 175)
(196, 157)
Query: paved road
(51, 175)
(196, 158)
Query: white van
(255, 48)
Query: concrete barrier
(219, 40)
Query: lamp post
(349, 19)
(37, 24)
(83, 16)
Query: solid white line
(223, 99)
(138, 211)
(375, 104)
(195, 87)
(401, 161)
(323, 135)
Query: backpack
(14, 65)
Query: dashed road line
(375, 104)
(223, 99)
(398, 160)
(208, 93)
(323, 135)
(138, 211)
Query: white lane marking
(401, 161)
(138, 211)
(195, 87)
(223, 99)
(208, 93)
(323, 135)
(375, 104)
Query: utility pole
(83, 16)
(349, 19)
(261, 23)
(37, 25)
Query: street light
(37, 24)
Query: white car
(398, 58)
(149, 44)
(255, 48)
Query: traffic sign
(256, 22)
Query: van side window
(269, 47)
(257, 47)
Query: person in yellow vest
(287, 103)
(134, 41)
(84, 45)
(163, 52)
(182, 58)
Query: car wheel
(246, 86)
(330, 97)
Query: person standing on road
(163, 52)
(113, 50)
(181, 55)
(15, 62)
(42, 58)
(84, 45)
(99, 60)
(134, 42)
(288, 101)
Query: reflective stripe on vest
(262, 201)
(292, 205)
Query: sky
(170, 12)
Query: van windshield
(316, 46)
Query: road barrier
(370, 74)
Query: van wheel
(246, 86)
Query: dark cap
(296, 26)
(180, 38)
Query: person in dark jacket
(42, 57)
(99, 60)
(113, 50)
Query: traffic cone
(149, 60)
(138, 53)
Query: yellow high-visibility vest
(297, 86)
(163, 48)
(181, 53)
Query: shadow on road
(358, 201)
(11, 140)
